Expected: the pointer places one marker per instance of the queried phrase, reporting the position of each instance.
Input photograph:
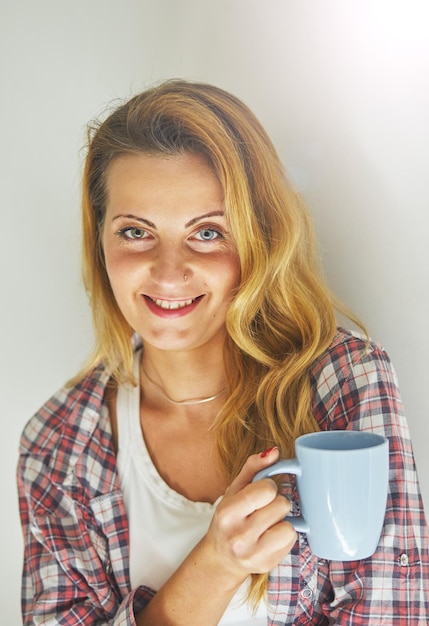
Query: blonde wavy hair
(283, 315)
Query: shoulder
(348, 351)
(351, 368)
(66, 448)
(69, 415)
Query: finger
(254, 464)
(264, 518)
(273, 546)
(256, 496)
(235, 508)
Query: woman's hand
(248, 532)
(247, 535)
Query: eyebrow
(195, 220)
(204, 217)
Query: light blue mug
(342, 479)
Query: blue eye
(208, 234)
(133, 233)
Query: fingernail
(267, 451)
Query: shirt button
(403, 559)
(306, 593)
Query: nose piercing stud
(185, 277)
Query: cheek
(113, 266)
(114, 258)
(235, 270)
(120, 271)
(117, 259)
(230, 271)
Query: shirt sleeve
(73, 518)
(392, 586)
(67, 575)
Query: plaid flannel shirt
(76, 565)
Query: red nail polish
(267, 451)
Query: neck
(182, 379)
(184, 401)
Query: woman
(216, 347)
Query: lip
(171, 313)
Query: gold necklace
(182, 402)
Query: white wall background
(342, 87)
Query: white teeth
(170, 305)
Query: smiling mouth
(173, 305)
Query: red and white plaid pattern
(76, 565)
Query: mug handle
(286, 466)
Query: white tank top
(164, 525)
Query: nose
(169, 267)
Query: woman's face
(170, 258)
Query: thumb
(254, 464)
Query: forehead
(186, 177)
